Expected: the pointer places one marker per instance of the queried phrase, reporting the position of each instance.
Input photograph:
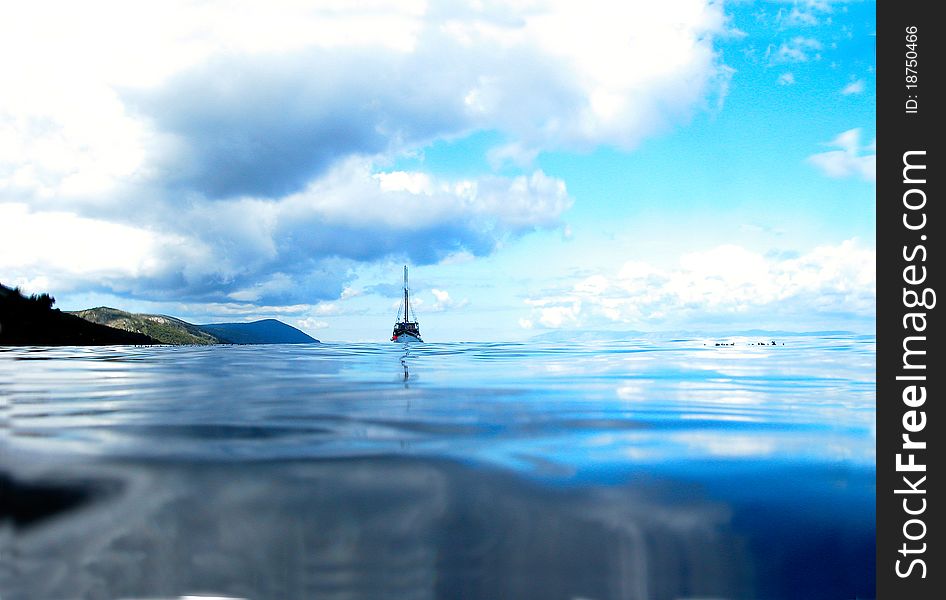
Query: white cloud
(555, 317)
(599, 47)
(851, 158)
(349, 292)
(249, 137)
(309, 324)
(727, 284)
(855, 87)
(796, 50)
(802, 14)
(99, 252)
(327, 308)
(264, 251)
(786, 79)
(351, 195)
(594, 285)
(443, 301)
(81, 119)
(402, 181)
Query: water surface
(646, 469)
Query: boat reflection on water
(404, 357)
(393, 528)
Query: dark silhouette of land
(267, 331)
(32, 321)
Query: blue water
(647, 469)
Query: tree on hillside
(43, 300)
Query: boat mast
(406, 309)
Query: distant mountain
(33, 321)
(267, 331)
(171, 330)
(168, 330)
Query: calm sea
(646, 469)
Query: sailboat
(406, 330)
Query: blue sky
(543, 166)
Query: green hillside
(168, 330)
(171, 330)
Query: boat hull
(406, 337)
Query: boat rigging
(406, 330)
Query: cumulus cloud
(554, 76)
(243, 158)
(267, 125)
(728, 284)
(107, 253)
(786, 79)
(297, 248)
(851, 159)
(224, 107)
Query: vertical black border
(898, 132)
